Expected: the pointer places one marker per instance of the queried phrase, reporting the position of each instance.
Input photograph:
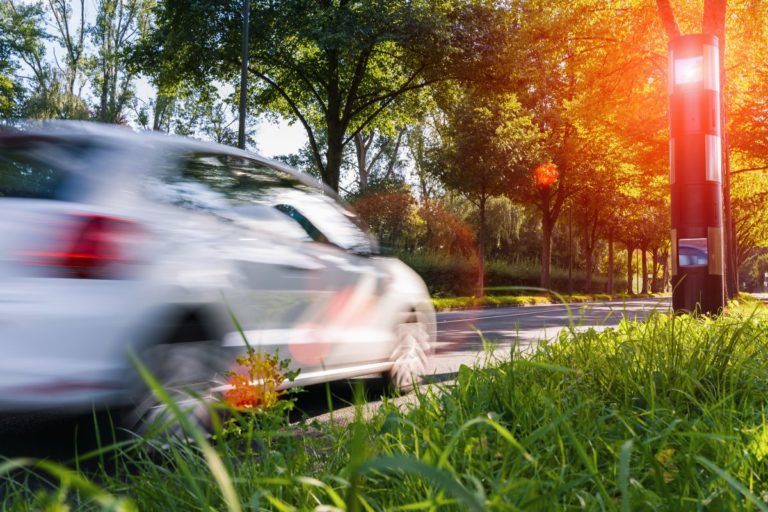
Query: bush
(456, 276)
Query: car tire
(410, 358)
(186, 372)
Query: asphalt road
(460, 334)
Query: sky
(279, 139)
(272, 138)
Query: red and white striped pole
(695, 174)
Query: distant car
(114, 242)
(692, 253)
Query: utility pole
(244, 74)
(570, 250)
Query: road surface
(458, 332)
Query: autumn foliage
(255, 383)
(447, 233)
(387, 214)
(545, 175)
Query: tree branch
(297, 112)
(388, 99)
(750, 169)
(390, 95)
(668, 18)
(357, 79)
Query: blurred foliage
(456, 276)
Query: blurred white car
(114, 242)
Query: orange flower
(255, 382)
(545, 175)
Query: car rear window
(37, 168)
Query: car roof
(122, 136)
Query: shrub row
(453, 276)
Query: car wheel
(410, 359)
(185, 371)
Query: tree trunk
(655, 270)
(644, 259)
(610, 264)
(481, 249)
(163, 105)
(589, 256)
(714, 23)
(668, 18)
(630, 277)
(361, 151)
(665, 270)
(549, 215)
(393, 161)
(334, 155)
(104, 94)
(546, 251)
(570, 251)
(333, 165)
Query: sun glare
(689, 70)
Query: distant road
(459, 341)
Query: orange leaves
(255, 383)
(545, 175)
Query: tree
(377, 156)
(10, 88)
(118, 24)
(591, 206)
(557, 77)
(156, 114)
(490, 143)
(333, 66)
(445, 232)
(54, 90)
(71, 37)
(21, 40)
(423, 147)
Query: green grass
(496, 298)
(663, 415)
(450, 303)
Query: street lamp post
(244, 75)
(696, 174)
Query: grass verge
(667, 414)
(497, 298)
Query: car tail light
(87, 246)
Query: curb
(513, 305)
